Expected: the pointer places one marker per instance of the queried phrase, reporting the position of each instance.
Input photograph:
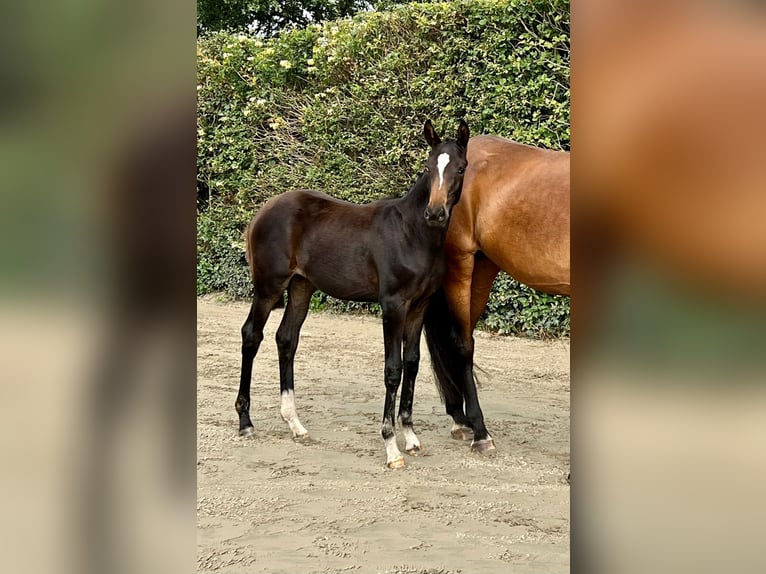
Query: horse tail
(248, 249)
(443, 337)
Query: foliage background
(268, 17)
(339, 107)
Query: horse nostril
(437, 215)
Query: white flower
(285, 64)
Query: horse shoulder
(461, 234)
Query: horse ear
(430, 134)
(463, 134)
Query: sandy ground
(270, 505)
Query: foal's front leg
(393, 330)
(412, 330)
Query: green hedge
(339, 107)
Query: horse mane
(394, 195)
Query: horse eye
(461, 171)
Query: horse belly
(527, 236)
(340, 273)
(545, 268)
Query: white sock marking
(441, 163)
(392, 451)
(290, 415)
(411, 440)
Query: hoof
(462, 433)
(247, 432)
(482, 446)
(303, 439)
(396, 463)
(415, 450)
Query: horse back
(319, 237)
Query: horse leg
(298, 299)
(457, 289)
(252, 335)
(484, 273)
(393, 331)
(412, 330)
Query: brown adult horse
(514, 216)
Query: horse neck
(411, 206)
(415, 200)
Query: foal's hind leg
(412, 332)
(252, 335)
(299, 297)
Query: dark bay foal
(390, 251)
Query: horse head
(445, 168)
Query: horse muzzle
(436, 217)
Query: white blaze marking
(441, 163)
(290, 415)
